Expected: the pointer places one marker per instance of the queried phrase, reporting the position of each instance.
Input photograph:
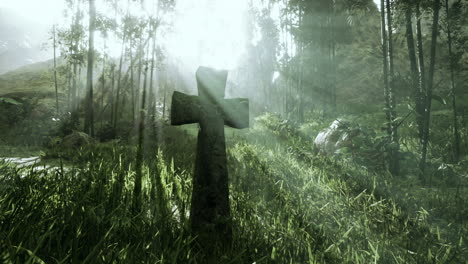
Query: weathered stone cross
(210, 212)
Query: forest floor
(289, 202)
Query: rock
(337, 136)
(77, 140)
(22, 162)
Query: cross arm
(185, 109)
(236, 112)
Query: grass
(34, 79)
(289, 205)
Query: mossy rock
(77, 140)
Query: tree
(415, 78)
(55, 71)
(456, 132)
(395, 146)
(430, 84)
(89, 117)
(422, 75)
(388, 76)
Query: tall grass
(289, 205)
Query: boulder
(337, 136)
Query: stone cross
(210, 218)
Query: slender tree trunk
(300, 87)
(55, 75)
(103, 88)
(164, 98)
(74, 49)
(385, 66)
(333, 58)
(139, 156)
(152, 100)
(395, 149)
(111, 94)
(69, 84)
(422, 75)
(103, 75)
(430, 83)
(456, 133)
(413, 63)
(139, 72)
(74, 93)
(119, 79)
(132, 81)
(89, 118)
(80, 87)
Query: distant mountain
(20, 41)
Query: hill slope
(28, 80)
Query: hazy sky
(220, 43)
(38, 11)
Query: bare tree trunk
(119, 79)
(385, 66)
(152, 95)
(456, 133)
(103, 88)
(139, 155)
(132, 81)
(74, 45)
(413, 63)
(430, 83)
(333, 57)
(55, 75)
(140, 69)
(69, 84)
(164, 99)
(395, 148)
(300, 88)
(74, 94)
(89, 118)
(111, 94)
(422, 76)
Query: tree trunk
(385, 66)
(413, 64)
(89, 118)
(132, 81)
(74, 94)
(430, 83)
(55, 76)
(333, 58)
(69, 85)
(139, 72)
(164, 99)
(456, 133)
(422, 76)
(111, 94)
(74, 49)
(300, 88)
(139, 155)
(152, 95)
(119, 79)
(395, 147)
(103, 75)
